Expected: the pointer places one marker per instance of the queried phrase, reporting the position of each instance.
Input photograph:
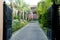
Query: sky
(32, 2)
(29, 2)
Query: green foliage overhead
(21, 5)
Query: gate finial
(4, 2)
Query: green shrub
(25, 21)
(17, 25)
(41, 12)
(15, 16)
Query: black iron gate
(53, 21)
(7, 22)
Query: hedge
(17, 25)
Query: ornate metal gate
(54, 22)
(7, 22)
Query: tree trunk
(23, 14)
(26, 16)
(18, 15)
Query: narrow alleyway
(31, 31)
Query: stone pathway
(31, 31)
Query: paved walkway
(31, 31)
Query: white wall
(1, 19)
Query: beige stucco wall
(1, 19)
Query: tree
(41, 11)
(25, 9)
(18, 6)
(22, 7)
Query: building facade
(33, 13)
